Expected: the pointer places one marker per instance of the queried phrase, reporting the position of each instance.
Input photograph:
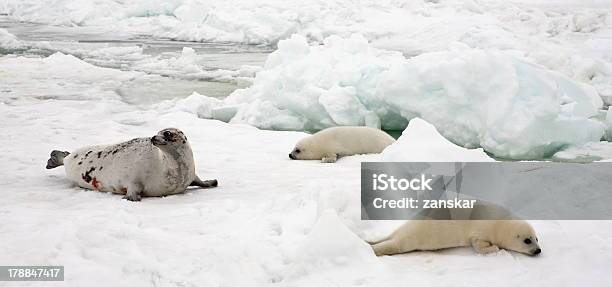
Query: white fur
(329, 144)
(484, 236)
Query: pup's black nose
(537, 251)
(291, 156)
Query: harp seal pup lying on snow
(485, 236)
(157, 166)
(329, 144)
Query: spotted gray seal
(157, 166)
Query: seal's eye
(527, 241)
(297, 151)
(167, 134)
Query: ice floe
(589, 152)
(420, 141)
(8, 41)
(475, 98)
(271, 220)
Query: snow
(186, 66)
(271, 220)
(421, 142)
(59, 77)
(315, 87)
(197, 104)
(551, 33)
(349, 82)
(589, 152)
(556, 34)
(609, 125)
(330, 245)
(8, 41)
(562, 36)
(395, 64)
(256, 22)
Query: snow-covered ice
(420, 141)
(609, 125)
(273, 221)
(349, 82)
(589, 152)
(572, 37)
(386, 22)
(569, 36)
(8, 41)
(265, 224)
(185, 64)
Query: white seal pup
(329, 144)
(485, 236)
(157, 166)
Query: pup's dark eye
(297, 151)
(167, 134)
(527, 241)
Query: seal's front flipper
(56, 159)
(133, 192)
(204, 183)
(484, 247)
(330, 158)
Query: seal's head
(305, 150)
(169, 138)
(522, 238)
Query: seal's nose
(537, 251)
(291, 156)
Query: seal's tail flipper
(388, 247)
(56, 159)
(374, 242)
(204, 183)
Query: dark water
(395, 134)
